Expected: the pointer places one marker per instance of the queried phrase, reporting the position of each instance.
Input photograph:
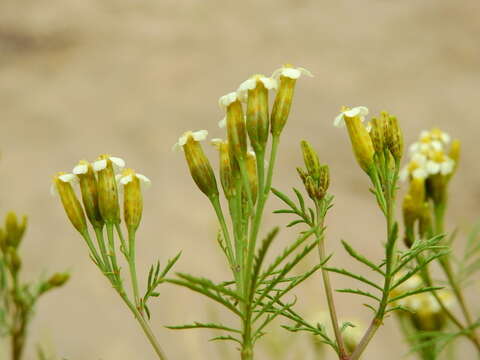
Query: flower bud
(107, 187)
(255, 92)
(55, 281)
(62, 183)
(324, 180)
(14, 260)
(394, 138)
(236, 131)
(3, 241)
(361, 142)
(200, 168)
(227, 174)
(378, 133)
(132, 197)
(287, 77)
(310, 158)
(89, 189)
(14, 230)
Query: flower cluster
(99, 183)
(429, 156)
(248, 123)
(433, 160)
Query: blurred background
(80, 78)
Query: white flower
(417, 168)
(250, 84)
(124, 180)
(102, 164)
(291, 72)
(227, 99)
(195, 135)
(360, 111)
(66, 178)
(80, 169)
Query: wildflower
(287, 77)
(89, 188)
(106, 166)
(198, 164)
(317, 178)
(416, 168)
(236, 131)
(254, 92)
(359, 111)
(132, 197)
(360, 138)
(62, 183)
(227, 168)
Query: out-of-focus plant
(17, 297)
(433, 162)
(99, 186)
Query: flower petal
(119, 162)
(80, 169)
(200, 135)
(99, 165)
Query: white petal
(249, 84)
(360, 111)
(222, 123)
(144, 179)
(117, 161)
(419, 173)
(419, 159)
(403, 175)
(339, 121)
(432, 167)
(99, 165)
(414, 148)
(80, 169)
(226, 100)
(291, 73)
(124, 180)
(436, 145)
(118, 177)
(305, 72)
(445, 138)
(200, 135)
(447, 167)
(269, 83)
(53, 190)
(67, 177)
(182, 140)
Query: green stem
(144, 325)
(223, 225)
(93, 250)
(132, 267)
(377, 321)
(112, 252)
(326, 282)
(103, 251)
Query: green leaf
(284, 198)
(295, 222)
(285, 254)
(361, 258)
(199, 325)
(210, 285)
(414, 292)
(206, 292)
(300, 199)
(261, 256)
(226, 338)
(354, 276)
(359, 292)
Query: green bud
(14, 229)
(310, 158)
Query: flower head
(132, 197)
(89, 188)
(106, 167)
(199, 135)
(359, 111)
(198, 163)
(291, 72)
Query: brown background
(79, 78)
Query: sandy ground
(79, 78)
